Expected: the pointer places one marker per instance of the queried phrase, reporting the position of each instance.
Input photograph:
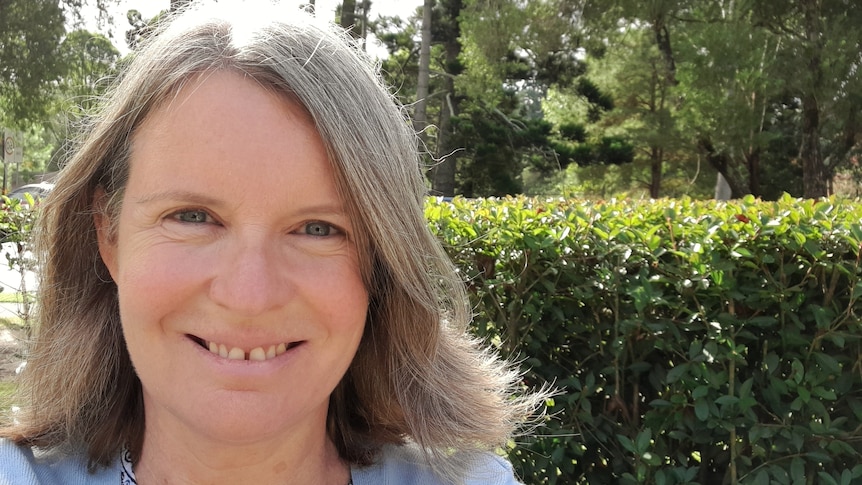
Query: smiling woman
(249, 305)
(225, 282)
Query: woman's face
(241, 299)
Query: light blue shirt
(399, 465)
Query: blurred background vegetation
(601, 99)
(585, 98)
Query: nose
(250, 280)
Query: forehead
(224, 129)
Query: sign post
(13, 152)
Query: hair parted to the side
(417, 376)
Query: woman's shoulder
(406, 465)
(20, 465)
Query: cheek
(155, 279)
(338, 290)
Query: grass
(11, 322)
(7, 393)
(8, 384)
(10, 297)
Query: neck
(170, 457)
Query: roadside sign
(13, 147)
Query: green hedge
(692, 342)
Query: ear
(105, 229)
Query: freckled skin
(232, 231)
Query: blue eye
(193, 216)
(318, 229)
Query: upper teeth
(257, 353)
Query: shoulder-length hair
(417, 375)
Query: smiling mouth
(258, 354)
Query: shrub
(16, 227)
(693, 342)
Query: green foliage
(30, 33)
(612, 150)
(498, 147)
(594, 95)
(693, 342)
(49, 74)
(32, 59)
(17, 219)
(7, 396)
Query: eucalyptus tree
(634, 55)
(90, 61)
(772, 91)
(420, 115)
(733, 98)
(512, 53)
(31, 61)
(819, 59)
(448, 30)
(30, 35)
(474, 137)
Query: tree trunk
(656, 155)
(348, 17)
(814, 175)
(443, 175)
(420, 117)
(662, 40)
(753, 161)
(364, 8)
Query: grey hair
(417, 377)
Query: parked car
(37, 191)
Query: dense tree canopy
(30, 36)
(50, 69)
(578, 97)
(658, 97)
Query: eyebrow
(181, 195)
(327, 209)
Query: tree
(30, 35)
(820, 46)
(420, 116)
(643, 59)
(348, 17)
(756, 91)
(511, 54)
(645, 102)
(730, 86)
(400, 67)
(89, 62)
(448, 31)
(31, 32)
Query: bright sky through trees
(149, 8)
(378, 7)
